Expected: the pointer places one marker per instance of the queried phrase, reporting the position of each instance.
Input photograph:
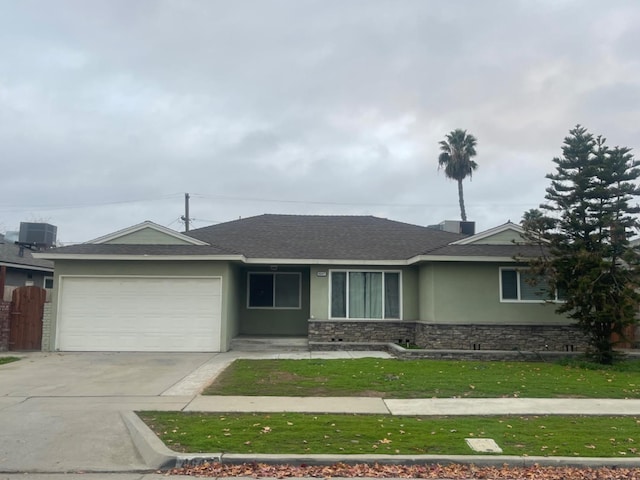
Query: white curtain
(365, 295)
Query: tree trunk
(463, 213)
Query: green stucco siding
(230, 292)
(148, 236)
(503, 238)
(463, 293)
(410, 293)
(273, 321)
(319, 292)
(320, 277)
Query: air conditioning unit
(39, 234)
(456, 226)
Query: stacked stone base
(336, 334)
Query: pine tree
(587, 224)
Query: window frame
(360, 270)
(44, 282)
(518, 270)
(273, 298)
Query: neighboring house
(18, 267)
(329, 278)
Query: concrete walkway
(421, 406)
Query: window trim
(44, 282)
(519, 300)
(273, 274)
(364, 270)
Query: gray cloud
(116, 108)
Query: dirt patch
(371, 393)
(279, 377)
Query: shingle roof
(314, 237)
(324, 237)
(10, 254)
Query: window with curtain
(273, 290)
(365, 294)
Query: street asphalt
(72, 412)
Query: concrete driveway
(60, 412)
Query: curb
(158, 456)
(154, 452)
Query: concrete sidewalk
(417, 406)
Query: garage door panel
(139, 314)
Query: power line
(352, 204)
(22, 208)
(19, 208)
(202, 220)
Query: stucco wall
(230, 292)
(273, 321)
(506, 237)
(464, 293)
(148, 236)
(20, 277)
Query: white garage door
(155, 314)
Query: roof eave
(24, 266)
(101, 256)
(282, 261)
(462, 258)
(323, 261)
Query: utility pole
(185, 217)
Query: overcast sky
(111, 110)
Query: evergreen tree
(586, 225)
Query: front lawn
(4, 360)
(390, 378)
(290, 433)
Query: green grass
(373, 377)
(4, 360)
(288, 433)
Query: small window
(273, 290)
(48, 283)
(509, 284)
(520, 285)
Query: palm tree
(455, 156)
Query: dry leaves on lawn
(452, 472)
